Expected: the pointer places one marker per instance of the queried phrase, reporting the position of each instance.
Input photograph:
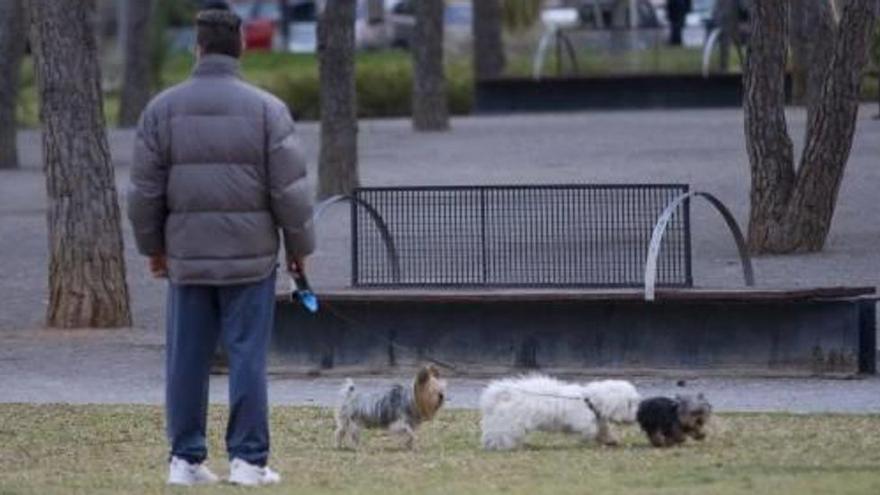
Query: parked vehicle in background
(302, 26)
(389, 26)
(264, 25)
(371, 26)
(260, 21)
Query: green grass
(121, 449)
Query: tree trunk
(136, 79)
(338, 159)
(430, 106)
(812, 26)
(87, 285)
(489, 58)
(12, 45)
(791, 209)
(284, 7)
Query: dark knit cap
(218, 18)
(218, 30)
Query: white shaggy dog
(512, 407)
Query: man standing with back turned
(217, 173)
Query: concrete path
(702, 147)
(126, 366)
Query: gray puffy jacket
(217, 171)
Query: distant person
(676, 12)
(217, 174)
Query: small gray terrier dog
(400, 409)
(669, 422)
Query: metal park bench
(559, 277)
(586, 236)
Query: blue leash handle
(301, 291)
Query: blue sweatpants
(197, 316)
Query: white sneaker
(246, 474)
(181, 472)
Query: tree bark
(489, 57)
(136, 79)
(12, 45)
(791, 209)
(430, 105)
(338, 157)
(812, 26)
(87, 286)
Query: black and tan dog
(669, 422)
(401, 409)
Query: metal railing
(518, 236)
(660, 230)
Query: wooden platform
(561, 295)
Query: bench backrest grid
(519, 236)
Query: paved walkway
(702, 147)
(126, 366)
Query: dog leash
(355, 324)
(301, 291)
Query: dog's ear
(424, 375)
(433, 371)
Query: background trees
(430, 109)
(792, 205)
(488, 54)
(136, 83)
(812, 24)
(338, 160)
(12, 46)
(87, 286)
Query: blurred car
(302, 26)
(259, 23)
(371, 27)
(264, 25)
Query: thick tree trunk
(791, 209)
(136, 80)
(812, 27)
(489, 57)
(87, 285)
(12, 44)
(430, 106)
(338, 160)
(771, 153)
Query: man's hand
(159, 266)
(297, 264)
